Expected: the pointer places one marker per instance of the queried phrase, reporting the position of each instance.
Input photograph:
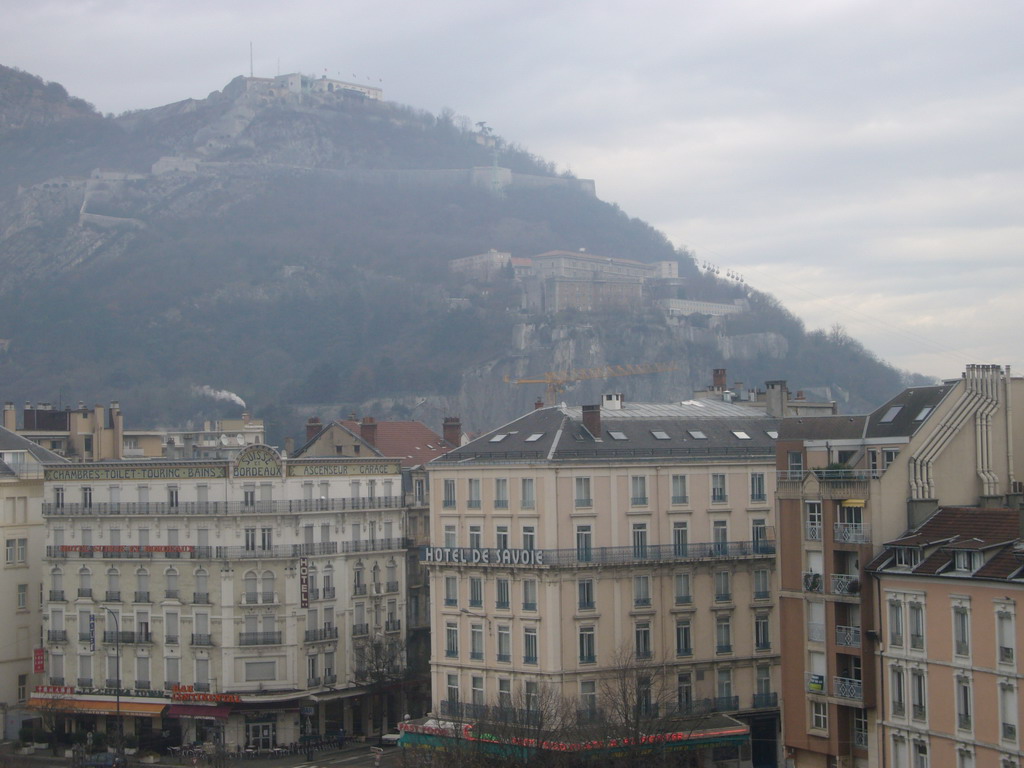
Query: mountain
(289, 239)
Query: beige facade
(570, 544)
(846, 485)
(256, 586)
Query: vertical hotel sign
(304, 582)
(38, 663)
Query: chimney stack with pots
(313, 427)
(451, 430)
(368, 430)
(592, 419)
(718, 379)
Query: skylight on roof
(741, 434)
(696, 434)
(659, 435)
(923, 414)
(891, 414)
(535, 437)
(498, 438)
(772, 434)
(617, 435)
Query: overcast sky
(862, 161)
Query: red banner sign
(38, 660)
(126, 548)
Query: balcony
(860, 739)
(920, 712)
(529, 659)
(112, 596)
(588, 658)
(629, 555)
(127, 637)
(142, 597)
(851, 533)
(202, 639)
(359, 590)
(259, 638)
(719, 497)
(812, 531)
(642, 602)
(962, 648)
(84, 682)
(329, 593)
(85, 591)
(813, 582)
(57, 635)
(583, 502)
(169, 684)
(848, 688)
(313, 593)
(318, 635)
(832, 483)
(391, 586)
(638, 501)
(725, 703)
(845, 584)
(766, 700)
(505, 658)
(501, 503)
(113, 682)
(501, 605)
(916, 641)
(56, 595)
(680, 600)
(476, 655)
(473, 504)
(330, 679)
(529, 606)
(172, 594)
(360, 629)
(723, 597)
(142, 685)
(313, 682)
(680, 499)
(170, 639)
(393, 625)
(848, 637)
(899, 709)
(201, 598)
(56, 681)
(721, 648)
(201, 687)
(220, 508)
(963, 722)
(815, 632)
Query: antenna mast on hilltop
(250, 58)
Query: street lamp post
(119, 747)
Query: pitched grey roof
(638, 431)
(12, 441)
(912, 403)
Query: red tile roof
(411, 441)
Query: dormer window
(966, 560)
(908, 556)
(891, 414)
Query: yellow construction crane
(557, 381)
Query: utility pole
(117, 691)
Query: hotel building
(574, 541)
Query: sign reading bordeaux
(258, 461)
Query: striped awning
(99, 706)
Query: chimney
(538, 404)
(368, 430)
(451, 430)
(289, 446)
(246, 416)
(776, 398)
(313, 427)
(10, 417)
(592, 419)
(718, 379)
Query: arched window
(171, 581)
(202, 594)
(113, 584)
(249, 587)
(268, 586)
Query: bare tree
(380, 666)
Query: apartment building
(846, 485)
(573, 543)
(949, 691)
(22, 533)
(234, 601)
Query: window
(86, 497)
(907, 556)
(762, 584)
(966, 560)
(172, 497)
(504, 692)
(529, 594)
(812, 520)
(449, 494)
(762, 637)
(898, 695)
(795, 465)
(683, 594)
(819, 715)
(529, 537)
(723, 634)
(961, 631)
(451, 642)
(527, 500)
(476, 592)
(718, 489)
(504, 643)
(583, 492)
(920, 754)
(22, 687)
(248, 497)
(266, 539)
(895, 623)
(475, 537)
(916, 626)
(58, 498)
(503, 599)
(696, 434)
(723, 686)
(584, 543)
(477, 690)
(680, 538)
(918, 694)
(890, 414)
(963, 703)
(529, 645)
(1004, 636)
(757, 487)
(684, 691)
(450, 540)
(723, 590)
(453, 688)
(585, 588)
(684, 638)
(759, 536)
(588, 699)
(638, 490)
(501, 493)
(679, 495)
(642, 635)
(720, 536)
(476, 641)
(501, 537)
(22, 597)
(888, 457)
(250, 539)
(586, 638)
(640, 540)
(473, 501)
(641, 591)
(16, 550)
(531, 693)
(451, 590)
(1008, 711)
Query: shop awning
(98, 706)
(853, 503)
(199, 711)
